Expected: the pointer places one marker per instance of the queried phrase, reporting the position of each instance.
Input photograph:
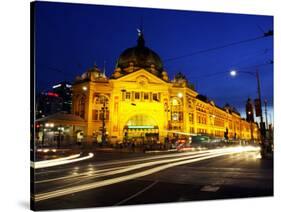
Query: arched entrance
(141, 128)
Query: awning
(63, 119)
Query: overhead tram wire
(252, 56)
(57, 70)
(266, 34)
(223, 72)
(235, 65)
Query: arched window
(100, 108)
(81, 107)
(141, 120)
(176, 109)
(101, 100)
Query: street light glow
(180, 95)
(84, 88)
(233, 73)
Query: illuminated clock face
(142, 81)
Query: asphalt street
(111, 179)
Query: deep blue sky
(70, 38)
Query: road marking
(210, 188)
(136, 194)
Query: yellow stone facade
(138, 102)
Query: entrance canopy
(63, 119)
(141, 121)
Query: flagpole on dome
(140, 35)
(104, 69)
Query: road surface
(111, 179)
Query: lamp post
(255, 74)
(103, 129)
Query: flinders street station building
(139, 102)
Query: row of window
(191, 129)
(219, 122)
(200, 109)
(142, 96)
(201, 120)
(218, 133)
(202, 131)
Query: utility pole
(259, 95)
(260, 105)
(265, 146)
(265, 111)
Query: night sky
(70, 38)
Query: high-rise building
(64, 90)
(48, 103)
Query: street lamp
(255, 74)
(233, 73)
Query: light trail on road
(54, 160)
(93, 174)
(169, 164)
(60, 161)
(101, 164)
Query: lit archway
(140, 128)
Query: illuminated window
(155, 97)
(137, 95)
(107, 115)
(191, 117)
(101, 114)
(175, 116)
(180, 116)
(101, 100)
(95, 115)
(81, 107)
(145, 96)
(128, 95)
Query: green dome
(141, 56)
